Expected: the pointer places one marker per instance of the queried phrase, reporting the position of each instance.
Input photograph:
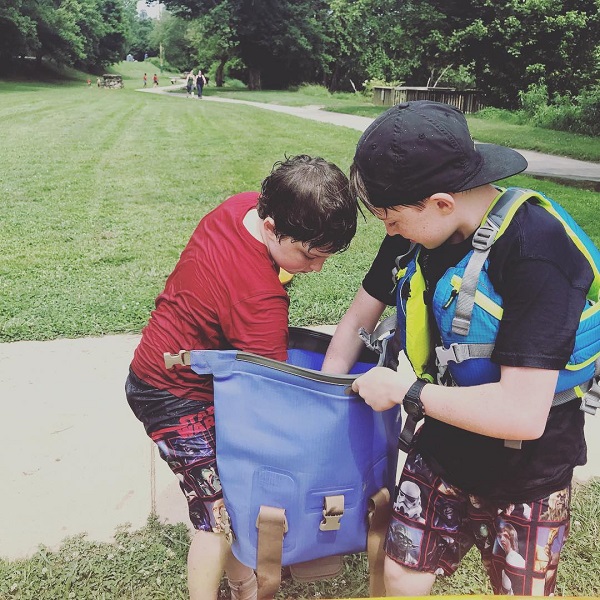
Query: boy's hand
(381, 388)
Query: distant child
(145, 79)
(225, 293)
(417, 169)
(89, 82)
(155, 80)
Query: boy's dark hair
(309, 200)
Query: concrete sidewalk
(76, 459)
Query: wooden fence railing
(469, 101)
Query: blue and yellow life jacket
(468, 310)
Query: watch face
(412, 401)
(412, 407)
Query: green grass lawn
(151, 563)
(496, 131)
(101, 190)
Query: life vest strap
(483, 239)
(377, 340)
(408, 432)
(591, 399)
(461, 352)
(482, 243)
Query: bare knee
(402, 581)
(206, 563)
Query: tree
(17, 30)
(213, 37)
(170, 32)
(82, 33)
(281, 42)
(512, 44)
(141, 27)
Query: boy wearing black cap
(417, 169)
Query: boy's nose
(317, 265)
(389, 229)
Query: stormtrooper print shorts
(434, 525)
(184, 432)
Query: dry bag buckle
(181, 358)
(332, 513)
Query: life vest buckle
(591, 400)
(484, 236)
(452, 353)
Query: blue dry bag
(298, 440)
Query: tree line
(86, 34)
(500, 47)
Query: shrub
(310, 89)
(589, 104)
(534, 100)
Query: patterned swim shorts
(184, 431)
(435, 524)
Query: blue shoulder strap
(482, 243)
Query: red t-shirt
(224, 293)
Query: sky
(152, 8)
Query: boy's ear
(443, 201)
(269, 226)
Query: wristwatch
(412, 401)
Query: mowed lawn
(102, 188)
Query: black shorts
(434, 525)
(184, 431)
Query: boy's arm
(346, 345)
(514, 408)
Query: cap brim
(498, 162)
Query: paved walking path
(75, 458)
(542, 165)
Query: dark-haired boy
(417, 169)
(225, 293)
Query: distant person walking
(200, 83)
(155, 80)
(145, 79)
(189, 83)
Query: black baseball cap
(415, 149)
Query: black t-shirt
(543, 280)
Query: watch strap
(406, 435)
(408, 431)
(414, 392)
